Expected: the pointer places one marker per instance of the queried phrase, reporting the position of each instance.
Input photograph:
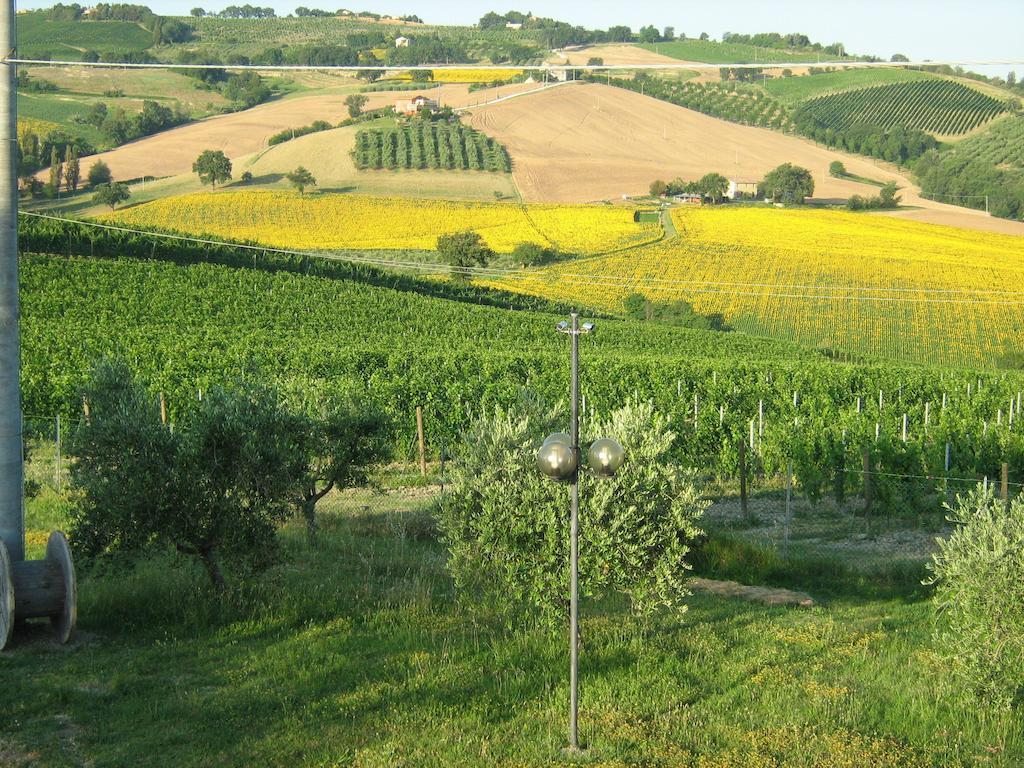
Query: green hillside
(41, 38)
(714, 52)
(792, 90)
(939, 107)
(1001, 144)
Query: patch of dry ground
(243, 133)
(766, 595)
(587, 142)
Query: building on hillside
(401, 42)
(689, 198)
(741, 189)
(414, 105)
(513, 25)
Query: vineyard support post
(421, 441)
(789, 508)
(12, 514)
(1004, 487)
(743, 479)
(945, 481)
(867, 489)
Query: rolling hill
(864, 284)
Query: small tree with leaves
(714, 186)
(355, 103)
(788, 183)
(212, 166)
(111, 194)
(464, 250)
(837, 169)
(300, 178)
(341, 442)
(99, 173)
(56, 172)
(72, 170)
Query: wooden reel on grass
(32, 589)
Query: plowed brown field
(587, 142)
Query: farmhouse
(414, 105)
(513, 25)
(739, 189)
(401, 42)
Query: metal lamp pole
(574, 544)
(559, 458)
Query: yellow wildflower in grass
(332, 222)
(868, 284)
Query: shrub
(979, 577)
(212, 488)
(99, 173)
(533, 255)
(464, 251)
(507, 527)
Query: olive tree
(341, 440)
(978, 574)
(214, 488)
(507, 527)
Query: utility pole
(12, 516)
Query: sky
(921, 29)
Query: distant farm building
(513, 25)
(689, 198)
(414, 105)
(401, 42)
(738, 189)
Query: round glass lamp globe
(556, 460)
(606, 457)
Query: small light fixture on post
(559, 459)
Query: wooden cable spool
(32, 589)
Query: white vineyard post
(789, 510)
(904, 427)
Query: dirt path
(766, 595)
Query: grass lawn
(356, 652)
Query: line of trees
(711, 186)
(426, 143)
(216, 485)
(897, 144)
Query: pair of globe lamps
(557, 459)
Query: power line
(494, 67)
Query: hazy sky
(933, 29)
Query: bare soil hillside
(242, 133)
(587, 142)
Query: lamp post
(559, 459)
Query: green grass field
(792, 90)
(39, 37)
(714, 52)
(356, 652)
